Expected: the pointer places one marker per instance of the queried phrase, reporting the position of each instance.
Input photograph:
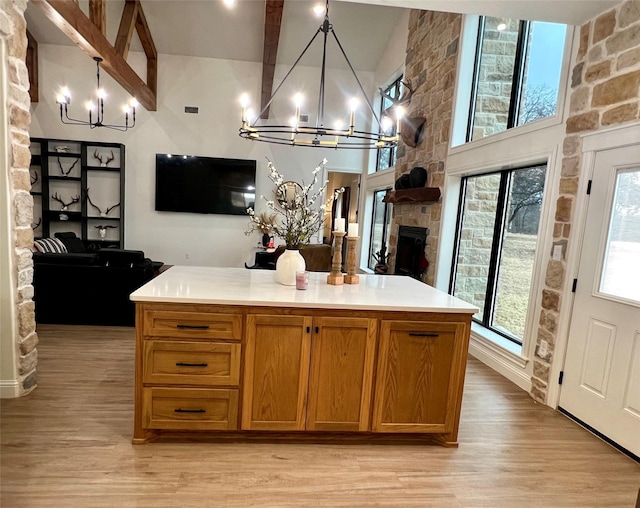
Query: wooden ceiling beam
(32, 66)
(98, 15)
(125, 31)
(69, 18)
(272, 22)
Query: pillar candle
(339, 225)
(353, 229)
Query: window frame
(397, 84)
(496, 246)
(386, 217)
(515, 99)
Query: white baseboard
(501, 362)
(9, 389)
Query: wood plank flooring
(68, 444)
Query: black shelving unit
(78, 186)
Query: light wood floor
(68, 444)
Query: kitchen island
(230, 353)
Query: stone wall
(13, 31)
(605, 91)
(432, 56)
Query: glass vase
(289, 262)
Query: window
(387, 156)
(516, 74)
(620, 275)
(497, 233)
(379, 229)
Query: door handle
(193, 327)
(179, 410)
(183, 364)
(422, 334)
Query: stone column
(17, 103)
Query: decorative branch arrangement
(102, 230)
(33, 177)
(65, 206)
(69, 170)
(103, 162)
(102, 214)
(36, 225)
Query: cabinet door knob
(183, 364)
(193, 327)
(422, 334)
(317, 329)
(308, 329)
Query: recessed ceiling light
(229, 3)
(318, 9)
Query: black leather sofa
(90, 288)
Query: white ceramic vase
(289, 262)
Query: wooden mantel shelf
(417, 195)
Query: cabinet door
(342, 363)
(419, 377)
(276, 372)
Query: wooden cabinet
(308, 373)
(420, 373)
(287, 371)
(276, 372)
(188, 365)
(341, 375)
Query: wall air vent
(191, 109)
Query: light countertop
(239, 286)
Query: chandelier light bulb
(133, 103)
(293, 122)
(89, 105)
(126, 109)
(229, 3)
(297, 99)
(101, 93)
(338, 125)
(244, 100)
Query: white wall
(214, 86)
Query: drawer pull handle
(420, 334)
(179, 410)
(183, 364)
(193, 327)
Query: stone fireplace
(410, 251)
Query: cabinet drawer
(191, 363)
(192, 325)
(190, 409)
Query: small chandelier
(321, 136)
(97, 119)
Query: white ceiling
(206, 28)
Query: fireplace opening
(410, 258)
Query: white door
(601, 382)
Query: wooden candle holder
(336, 277)
(351, 277)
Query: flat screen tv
(187, 183)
